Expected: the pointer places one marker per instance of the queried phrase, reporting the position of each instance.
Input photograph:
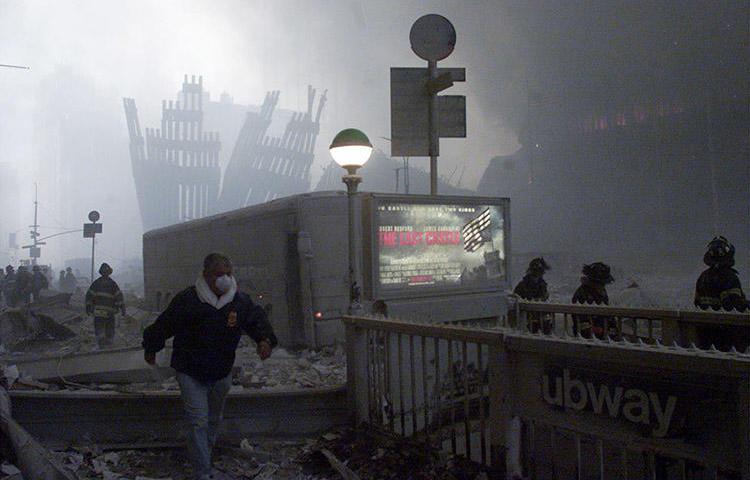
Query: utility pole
(35, 250)
(35, 232)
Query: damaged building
(616, 143)
(178, 167)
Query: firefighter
(9, 286)
(38, 282)
(533, 287)
(719, 286)
(593, 290)
(380, 308)
(24, 281)
(71, 282)
(103, 300)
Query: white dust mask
(224, 283)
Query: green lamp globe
(351, 148)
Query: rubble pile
(373, 455)
(57, 326)
(325, 367)
(256, 461)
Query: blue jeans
(204, 406)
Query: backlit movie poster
(439, 245)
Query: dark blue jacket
(204, 338)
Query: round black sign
(94, 216)
(432, 37)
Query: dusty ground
(370, 455)
(262, 461)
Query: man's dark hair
(215, 259)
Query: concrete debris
(369, 455)
(9, 469)
(345, 472)
(10, 375)
(31, 330)
(50, 344)
(306, 369)
(278, 462)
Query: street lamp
(351, 149)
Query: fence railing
(484, 393)
(697, 328)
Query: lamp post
(351, 149)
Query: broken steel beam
(34, 461)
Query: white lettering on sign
(634, 404)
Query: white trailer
(422, 255)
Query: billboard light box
(435, 244)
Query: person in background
(103, 300)
(533, 287)
(380, 308)
(593, 290)
(71, 282)
(39, 282)
(9, 286)
(206, 321)
(719, 288)
(24, 286)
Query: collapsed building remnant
(262, 167)
(176, 169)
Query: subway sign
(647, 405)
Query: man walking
(103, 300)
(206, 321)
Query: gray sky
(142, 49)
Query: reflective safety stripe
(731, 291)
(102, 311)
(708, 300)
(103, 294)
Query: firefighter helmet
(538, 266)
(105, 269)
(598, 272)
(719, 252)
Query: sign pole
(93, 246)
(90, 230)
(434, 134)
(419, 116)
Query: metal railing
(666, 326)
(426, 381)
(467, 391)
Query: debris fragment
(346, 472)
